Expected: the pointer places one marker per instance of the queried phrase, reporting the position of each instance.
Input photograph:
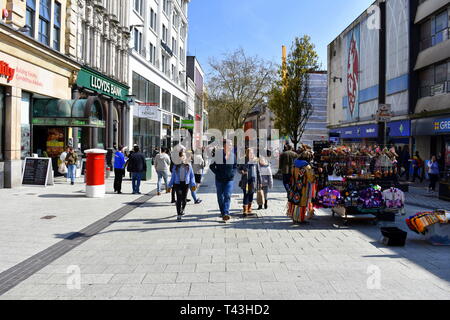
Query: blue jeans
(224, 191)
(194, 196)
(162, 175)
(71, 172)
(136, 181)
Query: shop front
(357, 135)
(166, 136)
(399, 133)
(111, 97)
(25, 77)
(146, 129)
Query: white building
(157, 71)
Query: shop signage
(147, 112)
(99, 83)
(365, 131)
(442, 126)
(37, 172)
(6, 71)
(400, 128)
(187, 124)
(69, 122)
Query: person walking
(71, 163)
(287, 159)
(266, 182)
(136, 166)
(224, 172)
(418, 165)
(249, 180)
(119, 169)
(162, 167)
(405, 159)
(198, 166)
(62, 168)
(433, 173)
(182, 178)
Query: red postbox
(95, 173)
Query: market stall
(359, 183)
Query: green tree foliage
(289, 98)
(236, 84)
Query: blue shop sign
(442, 125)
(358, 132)
(400, 128)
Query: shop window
(25, 125)
(44, 21)
(166, 100)
(2, 123)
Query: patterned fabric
(394, 198)
(371, 198)
(301, 192)
(329, 197)
(419, 222)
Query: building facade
(157, 72)
(197, 97)
(316, 127)
(396, 53)
(33, 69)
(98, 37)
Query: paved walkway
(23, 232)
(148, 255)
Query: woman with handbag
(182, 179)
(249, 172)
(265, 183)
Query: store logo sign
(105, 86)
(6, 71)
(442, 126)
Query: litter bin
(148, 174)
(95, 173)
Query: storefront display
(2, 123)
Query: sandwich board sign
(38, 172)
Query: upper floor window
(174, 46)
(138, 41)
(153, 19)
(44, 21)
(152, 53)
(435, 80)
(166, 6)
(139, 6)
(165, 33)
(435, 30)
(30, 17)
(57, 27)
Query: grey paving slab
(147, 255)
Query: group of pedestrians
(433, 168)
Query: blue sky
(262, 26)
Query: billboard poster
(352, 69)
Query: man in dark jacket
(225, 173)
(137, 166)
(287, 159)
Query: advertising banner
(352, 69)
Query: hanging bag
(260, 197)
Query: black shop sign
(37, 172)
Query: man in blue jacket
(119, 169)
(225, 173)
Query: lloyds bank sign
(99, 83)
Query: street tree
(289, 97)
(236, 84)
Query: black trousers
(118, 176)
(181, 192)
(434, 178)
